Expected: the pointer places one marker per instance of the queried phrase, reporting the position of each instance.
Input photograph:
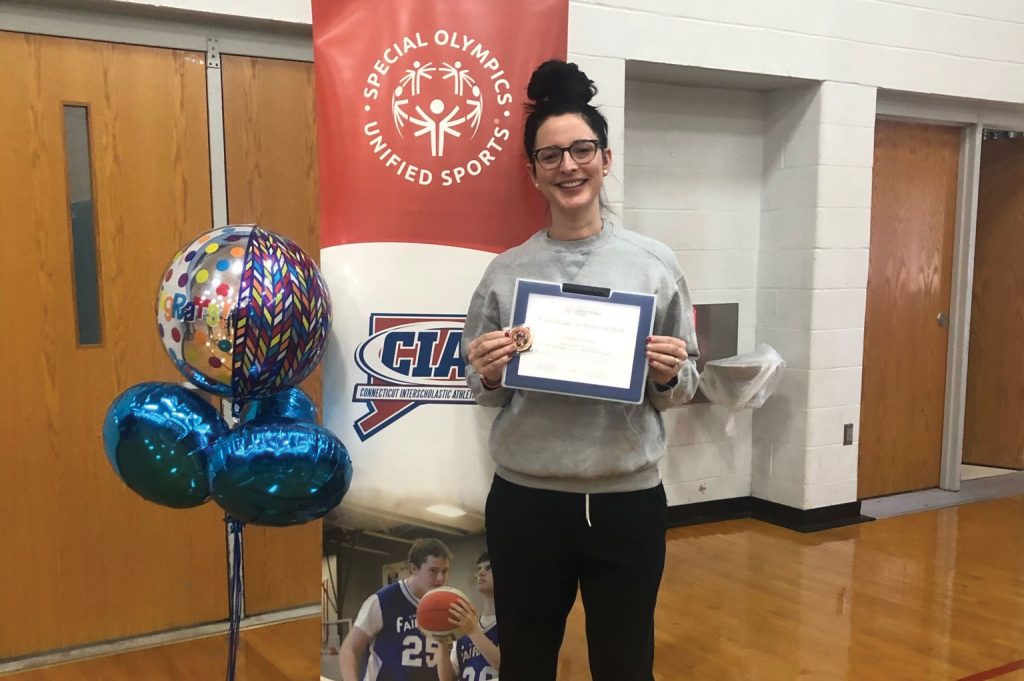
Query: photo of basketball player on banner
(476, 655)
(384, 642)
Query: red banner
(420, 107)
(423, 178)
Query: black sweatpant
(543, 544)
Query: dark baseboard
(801, 520)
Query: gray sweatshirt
(574, 444)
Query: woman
(577, 501)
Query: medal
(521, 337)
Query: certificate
(583, 340)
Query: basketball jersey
(400, 652)
(472, 665)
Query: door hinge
(212, 53)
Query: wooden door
(913, 217)
(994, 418)
(82, 558)
(270, 144)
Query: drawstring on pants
(587, 510)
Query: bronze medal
(521, 337)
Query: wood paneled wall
(913, 216)
(270, 143)
(82, 558)
(994, 414)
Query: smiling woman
(571, 182)
(577, 501)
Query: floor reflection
(934, 595)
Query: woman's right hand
(490, 353)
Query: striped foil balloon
(243, 312)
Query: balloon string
(234, 594)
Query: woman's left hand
(665, 356)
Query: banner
(423, 178)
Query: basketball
(432, 613)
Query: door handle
(942, 320)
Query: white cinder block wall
(948, 47)
(693, 181)
(811, 283)
(814, 227)
(812, 236)
(743, 186)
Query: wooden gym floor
(933, 595)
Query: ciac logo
(409, 360)
(438, 107)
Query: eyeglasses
(582, 151)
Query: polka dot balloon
(243, 312)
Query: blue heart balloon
(158, 437)
(291, 404)
(279, 472)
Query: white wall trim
(152, 640)
(134, 29)
(215, 118)
(960, 309)
(950, 110)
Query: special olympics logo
(436, 92)
(410, 94)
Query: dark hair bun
(557, 82)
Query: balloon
(243, 312)
(291, 404)
(278, 472)
(157, 437)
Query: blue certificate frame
(637, 378)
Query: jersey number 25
(414, 654)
